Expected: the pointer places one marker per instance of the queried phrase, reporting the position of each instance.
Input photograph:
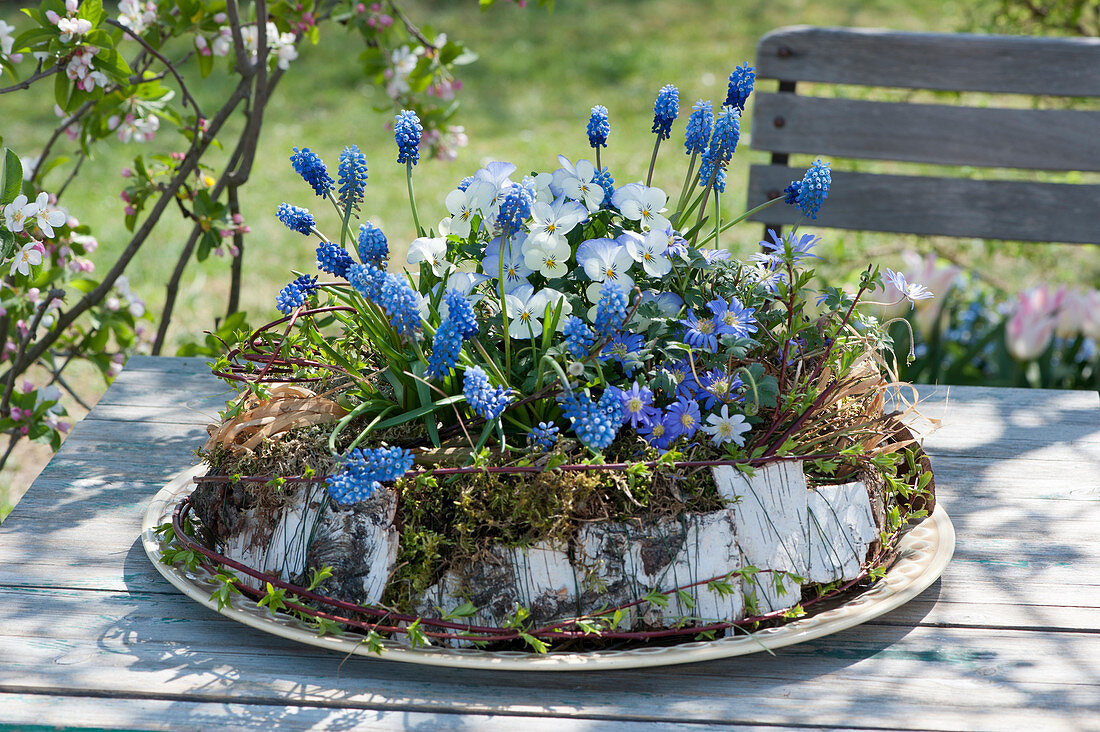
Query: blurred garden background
(526, 99)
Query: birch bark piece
(840, 531)
(539, 578)
(771, 513)
(360, 543)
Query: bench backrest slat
(987, 209)
(941, 134)
(951, 62)
(1040, 139)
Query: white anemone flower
(551, 222)
(17, 212)
(550, 260)
(724, 428)
(576, 182)
(526, 309)
(515, 269)
(464, 204)
(46, 216)
(649, 251)
(29, 256)
(430, 250)
(642, 204)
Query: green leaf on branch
(274, 600)
(11, 180)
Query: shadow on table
(212, 658)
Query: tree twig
(187, 166)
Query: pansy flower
(605, 260)
(649, 251)
(642, 204)
(515, 268)
(576, 182)
(430, 250)
(551, 222)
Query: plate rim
(923, 554)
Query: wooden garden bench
(950, 203)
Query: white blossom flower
(643, 204)
(281, 45)
(724, 428)
(223, 43)
(17, 212)
(7, 40)
(29, 256)
(46, 216)
(430, 250)
(136, 15)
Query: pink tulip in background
(1030, 328)
(1080, 315)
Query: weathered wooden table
(1009, 638)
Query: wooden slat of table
(30, 712)
(1007, 638)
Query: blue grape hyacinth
(665, 109)
(599, 127)
(400, 303)
(611, 309)
(579, 338)
(740, 86)
(407, 131)
(699, 125)
(353, 175)
(814, 188)
(487, 401)
(363, 471)
(333, 259)
(446, 347)
(295, 218)
(543, 436)
(461, 312)
(312, 169)
(295, 294)
(373, 247)
(596, 424)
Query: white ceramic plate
(923, 554)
